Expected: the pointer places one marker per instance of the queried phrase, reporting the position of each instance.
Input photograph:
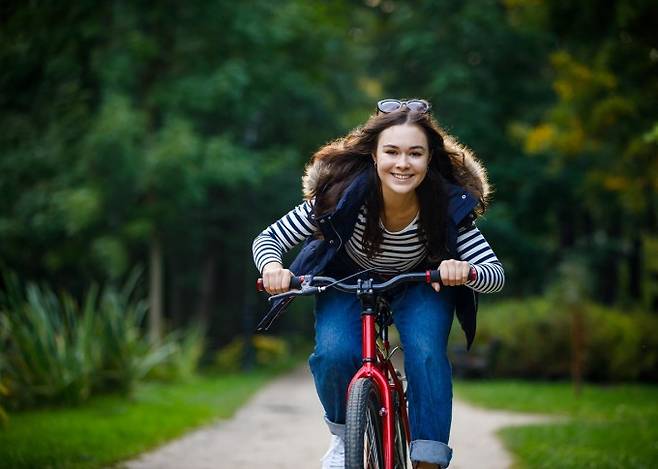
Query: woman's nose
(402, 161)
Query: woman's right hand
(276, 279)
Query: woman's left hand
(453, 272)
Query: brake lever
(305, 291)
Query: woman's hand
(453, 272)
(276, 279)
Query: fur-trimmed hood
(468, 170)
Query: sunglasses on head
(391, 105)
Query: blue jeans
(423, 319)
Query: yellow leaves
(572, 141)
(575, 79)
(540, 138)
(569, 139)
(372, 88)
(586, 109)
(615, 183)
(610, 111)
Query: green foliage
(51, 354)
(533, 340)
(60, 352)
(123, 123)
(269, 352)
(183, 361)
(127, 354)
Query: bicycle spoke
(370, 447)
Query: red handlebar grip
(432, 276)
(259, 285)
(472, 274)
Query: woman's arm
(284, 234)
(474, 249)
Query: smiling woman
(395, 195)
(401, 169)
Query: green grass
(605, 427)
(111, 428)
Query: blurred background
(143, 146)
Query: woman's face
(401, 158)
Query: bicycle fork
(371, 370)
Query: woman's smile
(402, 158)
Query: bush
(268, 350)
(56, 351)
(621, 345)
(534, 341)
(51, 352)
(182, 364)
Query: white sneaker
(334, 458)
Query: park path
(281, 427)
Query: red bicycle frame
(376, 366)
(381, 371)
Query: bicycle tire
(364, 447)
(401, 446)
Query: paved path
(282, 428)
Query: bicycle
(377, 427)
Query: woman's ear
(374, 159)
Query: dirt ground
(281, 427)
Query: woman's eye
(390, 152)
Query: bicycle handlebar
(319, 284)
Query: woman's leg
(424, 318)
(337, 354)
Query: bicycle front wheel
(363, 429)
(401, 445)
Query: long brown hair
(348, 156)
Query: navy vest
(337, 226)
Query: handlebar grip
(433, 276)
(472, 274)
(295, 283)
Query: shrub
(188, 346)
(621, 345)
(269, 351)
(534, 341)
(51, 352)
(127, 353)
(56, 351)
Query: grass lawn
(608, 427)
(110, 428)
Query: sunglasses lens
(389, 105)
(417, 105)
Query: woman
(394, 195)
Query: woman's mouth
(401, 177)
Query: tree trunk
(155, 290)
(577, 348)
(207, 284)
(635, 268)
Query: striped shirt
(399, 250)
